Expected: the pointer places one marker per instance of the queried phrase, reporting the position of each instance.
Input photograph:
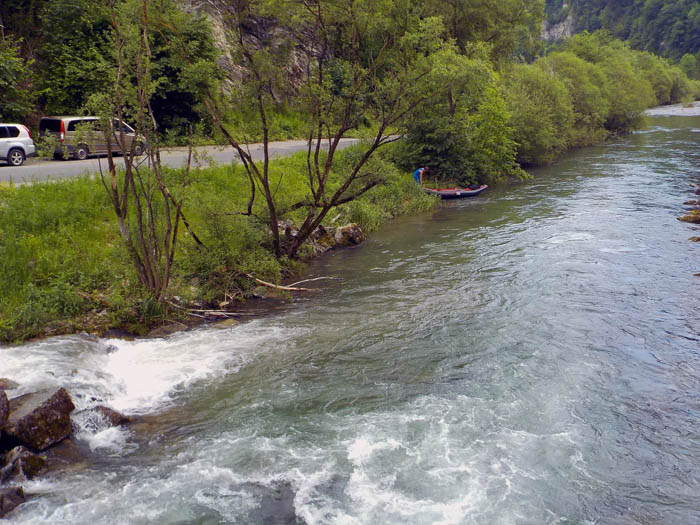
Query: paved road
(35, 170)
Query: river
(527, 356)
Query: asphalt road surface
(37, 170)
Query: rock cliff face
(258, 33)
(563, 29)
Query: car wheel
(138, 149)
(15, 157)
(81, 152)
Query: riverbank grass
(65, 267)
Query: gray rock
(40, 419)
(112, 417)
(10, 497)
(349, 235)
(21, 463)
(8, 384)
(4, 409)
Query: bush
(541, 113)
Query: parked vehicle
(16, 144)
(80, 137)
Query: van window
(73, 123)
(3, 132)
(13, 131)
(50, 124)
(124, 127)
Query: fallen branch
(316, 279)
(277, 287)
(196, 311)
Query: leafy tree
(689, 65)
(16, 100)
(619, 65)
(174, 104)
(362, 59)
(586, 83)
(463, 136)
(148, 214)
(657, 73)
(509, 27)
(541, 113)
(76, 57)
(627, 105)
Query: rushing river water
(531, 355)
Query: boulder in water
(4, 409)
(7, 384)
(40, 419)
(21, 463)
(322, 240)
(10, 497)
(112, 417)
(349, 235)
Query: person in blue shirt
(418, 174)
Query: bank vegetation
(466, 89)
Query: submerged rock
(40, 419)
(276, 504)
(112, 416)
(68, 457)
(226, 323)
(21, 463)
(10, 497)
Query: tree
(464, 135)
(541, 113)
(361, 60)
(586, 84)
(508, 27)
(147, 212)
(689, 65)
(15, 82)
(75, 58)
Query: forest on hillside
(668, 28)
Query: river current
(531, 355)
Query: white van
(80, 137)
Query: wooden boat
(457, 193)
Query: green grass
(66, 268)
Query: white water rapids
(528, 356)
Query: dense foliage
(16, 100)
(64, 55)
(65, 267)
(667, 27)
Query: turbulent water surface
(527, 356)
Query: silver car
(16, 144)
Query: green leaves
(16, 100)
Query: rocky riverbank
(37, 433)
(37, 436)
